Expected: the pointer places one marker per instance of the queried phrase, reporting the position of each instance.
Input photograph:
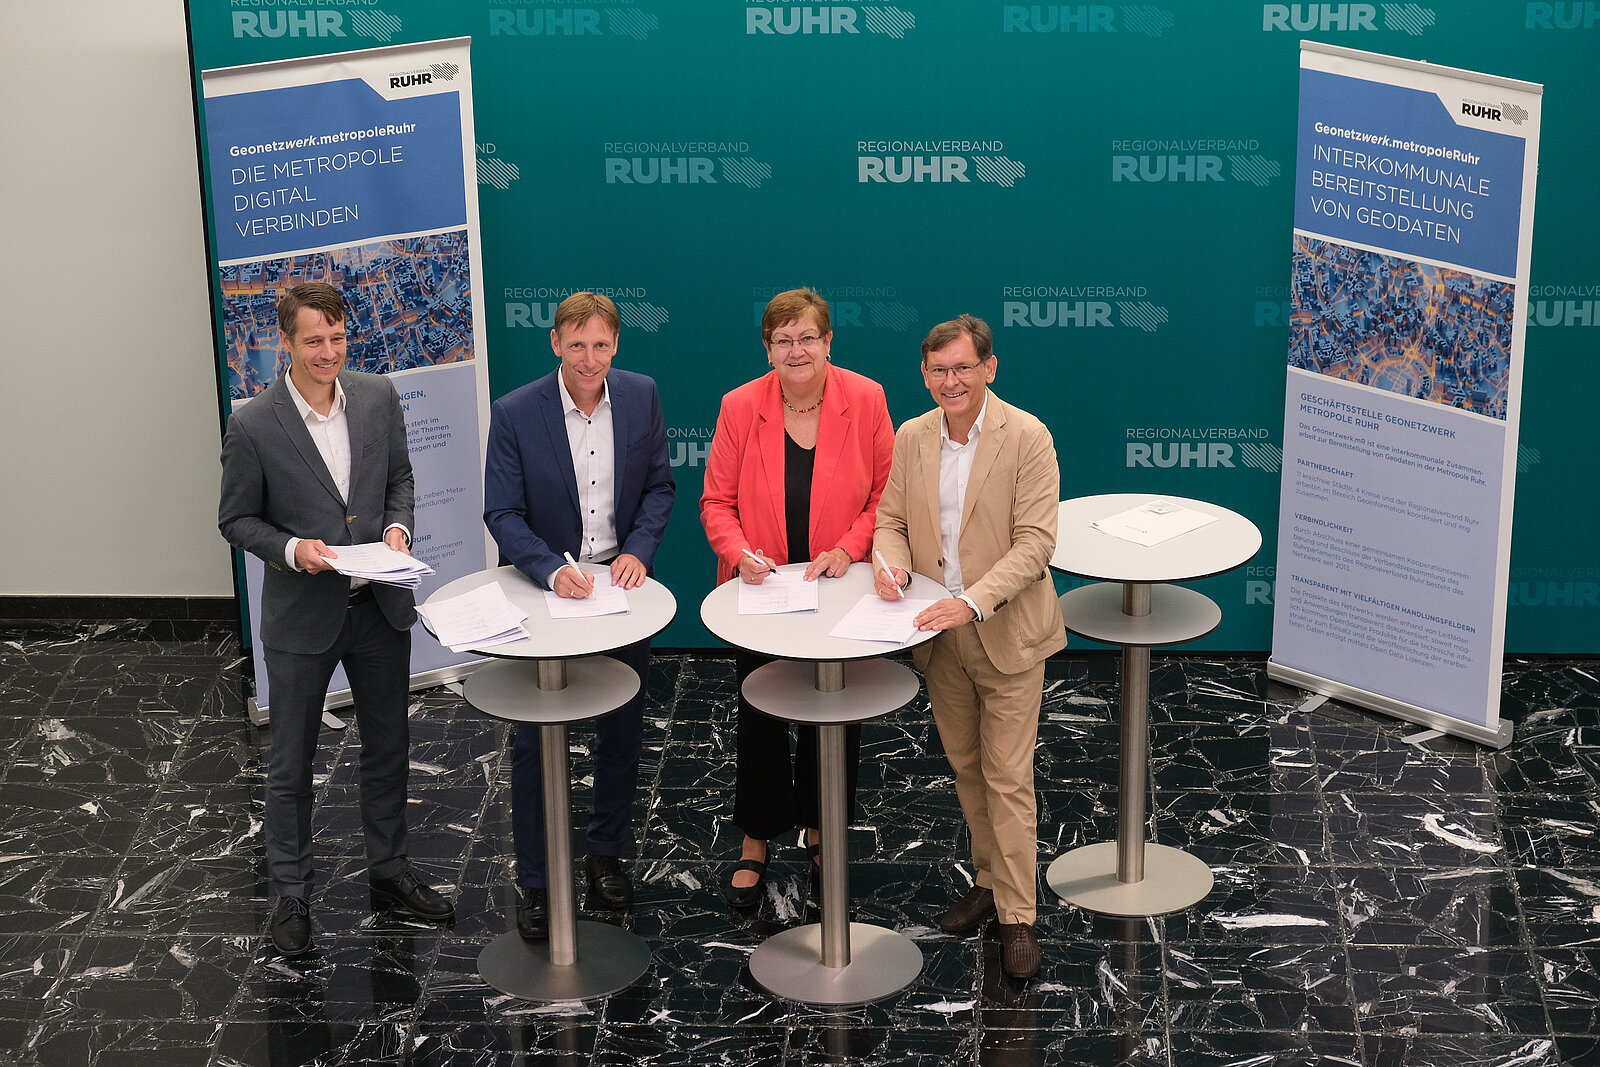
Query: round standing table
(1133, 607)
(830, 683)
(550, 679)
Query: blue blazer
(530, 493)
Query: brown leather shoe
(969, 913)
(1019, 950)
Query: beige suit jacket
(1008, 529)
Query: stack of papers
(1153, 522)
(377, 562)
(876, 619)
(782, 591)
(476, 619)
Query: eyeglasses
(960, 370)
(785, 344)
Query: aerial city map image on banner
(1401, 325)
(410, 306)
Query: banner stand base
(259, 716)
(1498, 736)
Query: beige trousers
(989, 723)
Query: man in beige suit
(971, 501)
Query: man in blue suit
(578, 464)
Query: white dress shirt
(593, 446)
(331, 434)
(955, 468)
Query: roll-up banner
(357, 169)
(1413, 220)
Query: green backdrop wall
(1108, 185)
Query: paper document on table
(606, 599)
(377, 562)
(783, 591)
(1153, 522)
(478, 618)
(876, 619)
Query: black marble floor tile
(1252, 904)
(1248, 987)
(1561, 907)
(1435, 830)
(1422, 906)
(151, 979)
(52, 894)
(126, 1044)
(1377, 901)
(1469, 1050)
(1454, 990)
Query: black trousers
(772, 792)
(377, 661)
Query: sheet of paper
(1153, 522)
(607, 599)
(876, 619)
(785, 590)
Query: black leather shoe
(1019, 950)
(969, 913)
(609, 886)
(291, 926)
(746, 896)
(533, 914)
(405, 893)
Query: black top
(798, 464)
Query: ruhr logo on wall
(1146, 19)
(683, 163)
(689, 446)
(1413, 19)
(1578, 15)
(534, 306)
(1081, 306)
(1192, 159)
(494, 169)
(1564, 305)
(786, 18)
(1202, 447)
(358, 22)
(566, 18)
(938, 162)
(850, 306)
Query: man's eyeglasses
(960, 370)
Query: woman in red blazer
(798, 461)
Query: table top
(650, 608)
(803, 635)
(1089, 553)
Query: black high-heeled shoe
(814, 889)
(746, 896)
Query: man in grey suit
(315, 461)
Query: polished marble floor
(1378, 901)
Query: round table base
(609, 959)
(1087, 877)
(882, 963)
(510, 687)
(785, 689)
(1177, 614)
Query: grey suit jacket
(275, 486)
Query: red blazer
(742, 506)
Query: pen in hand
(901, 593)
(583, 575)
